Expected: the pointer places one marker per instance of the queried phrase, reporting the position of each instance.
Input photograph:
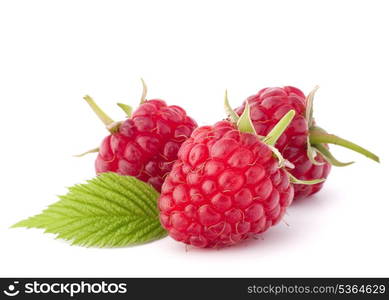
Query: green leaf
(108, 211)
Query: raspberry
(267, 108)
(225, 187)
(146, 144)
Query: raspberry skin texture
(146, 145)
(268, 106)
(225, 187)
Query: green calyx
(323, 150)
(126, 108)
(318, 138)
(94, 150)
(144, 91)
(229, 111)
(311, 152)
(98, 111)
(299, 181)
(309, 106)
(245, 124)
(109, 123)
(273, 136)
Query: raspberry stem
(319, 136)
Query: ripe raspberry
(267, 108)
(146, 144)
(226, 186)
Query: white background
(54, 52)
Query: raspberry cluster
(224, 183)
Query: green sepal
(327, 155)
(144, 92)
(311, 153)
(279, 128)
(108, 122)
(309, 106)
(126, 108)
(308, 182)
(282, 162)
(244, 122)
(94, 150)
(228, 109)
(318, 135)
(98, 111)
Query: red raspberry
(268, 106)
(146, 144)
(225, 187)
